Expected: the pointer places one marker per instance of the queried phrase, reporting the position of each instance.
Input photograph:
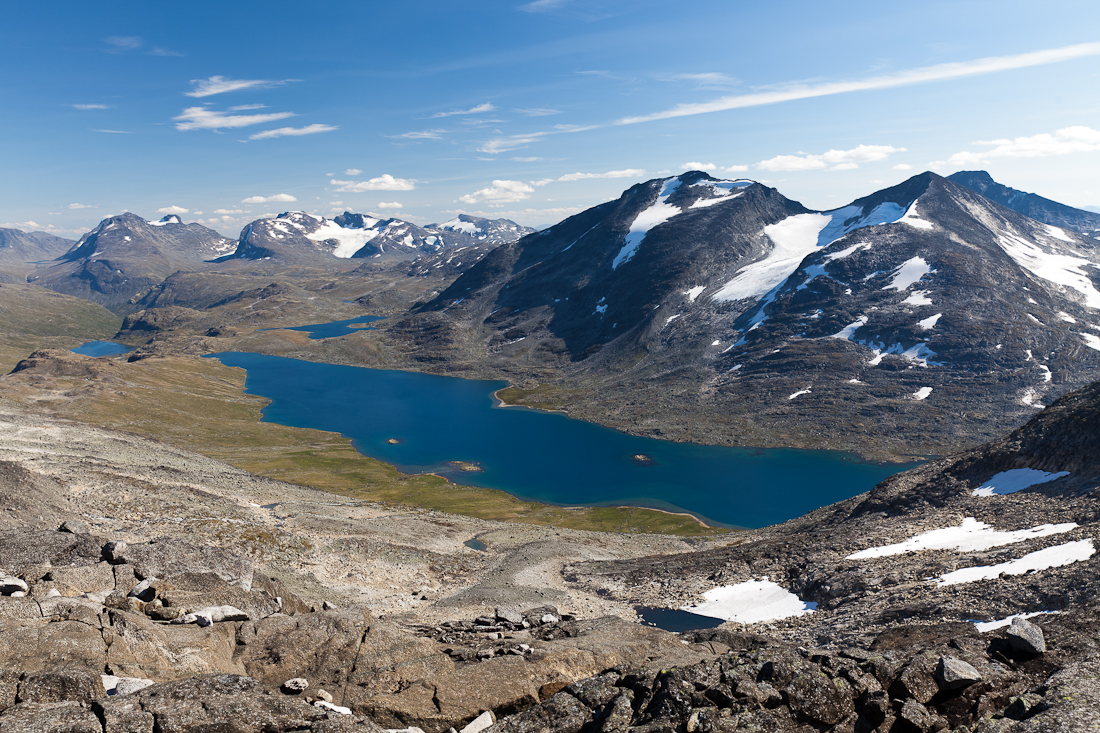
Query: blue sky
(225, 112)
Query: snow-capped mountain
(922, 298)
(126, 254)
(294, 235)
(1030, 204)
(465, 230)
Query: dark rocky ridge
(1030, 204)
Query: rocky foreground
(145, 588)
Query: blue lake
(101, 348)
(331, 329)
(547, 457)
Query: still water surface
(423, 422)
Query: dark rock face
(126, 255)
(1030, 204)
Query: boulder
(295, 686)
(191, 592)
(9, 584)
(917, 716)
(1025, 637)
(34, 646)
(953, 674)
(167, 557)
(816, 695)
(72, 581)
(59, 686)
(112, 551)
(917, 681)
(38, 718)
(73, 526)
(138, 647)
(23, 550)
(212, 615)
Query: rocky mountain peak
(1030, 204)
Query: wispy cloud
(698, 167)
(837, 160)
(91, 106)
(81, 206)
(174, 210)
(939, 72)
(157, 51)
(705, 80)
(292, 131)
(519, 159)
(511, 142)
(1078, 139)
(479, 109)
(422, 135)
(230, 211)
(125, 43)
(204, 118)
(626, 173)
(114, 132)
(538, 111)
(501, 192)
(279, 198)
(221, 85)
(541, 6)
(384, 182)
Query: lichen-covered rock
(952, 674)
(820, 697)
(1024, 636)
(167, 557)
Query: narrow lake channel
(429, 423)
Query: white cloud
(292, 131)
(511, 142)
(699, 167)
(174, 210)
(384, 182)
(538, 111)
(220, 85)
(81, 206)
(390, 205)
(486, 107)
(1077, 139)
(627, 173)
(125, 43)
(91, 106)
(839, 159)
(114, 132)
(903, 167)
(939, 72)
(501, 192)
(202, 118)
(277, 198)
(541, 6)
(353, 172)
(526, 159)
(706, 80)
(243, 107)
(229, 211)
(422, 135)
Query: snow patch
(918, 297)
(1060, 269)
(1057, 233)
(350, 240)
(970, 536)
(1091, 340)
(922, 393)
(658, 213)
(716, 342)
(908, 273)
(848, 331)
(1066, 317)
(694, 293)
(913, 220)
(799, 393)
(751, 602)
(1017, 479)
(984, 626)
(704, 203)
(1050, 557)
(929, 323)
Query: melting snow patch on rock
(985, 626)
(918, 297)
(1050, 557)
(929, 323)
(922, 393)
(658, 213)
(799, 393)
(751, 602)
(970, 536)
(908, 273)
(1017, 479)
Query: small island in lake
(641, 459)
(466, 466)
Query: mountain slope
(471, 230)
(20, 249)
(1030, 204)
(125, 255)
(920, 317)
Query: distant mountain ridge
(295, 236)
(125, 254)
(1030, 204)
(919, 298)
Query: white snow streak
(1017, 479)
(929, 323)
(848, 331)
(918, 297)
(970, 536)
(658, 213)
(908, 273)
(694, 293)
(1060, 269)
(799, 393)
(1091, 340)
(1050, 557)
(922, 393)
(984, 626)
